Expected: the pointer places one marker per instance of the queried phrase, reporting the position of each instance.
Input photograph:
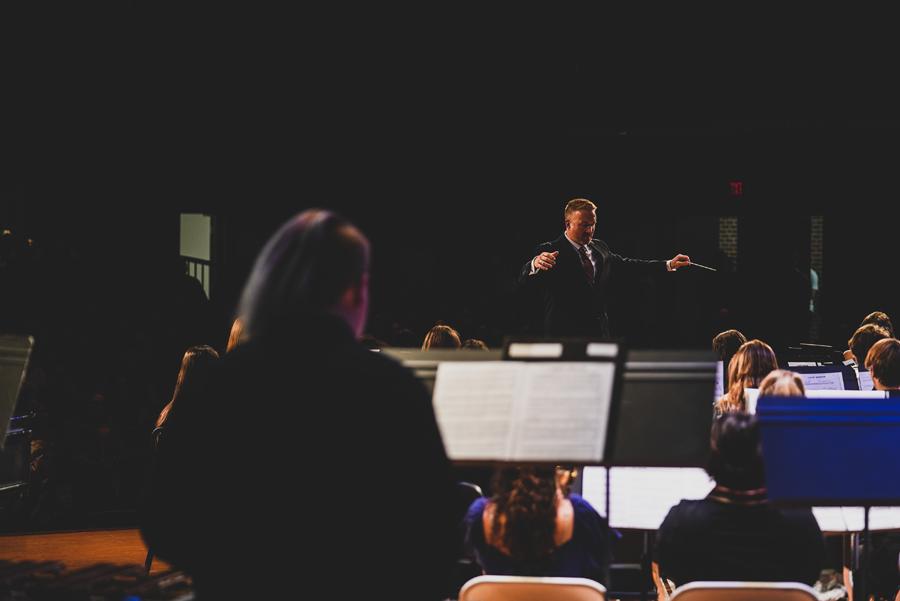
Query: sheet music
(564, 411)
(832, 380)
(720, 380)
(750, 396)
(473, 403)
(880, 518)
(641, 497)
(865, 380)
(535, 350)
(593, 487)
(846, 394)
(510, 411)
(830, 519)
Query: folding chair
(530, 588)
(744, 591)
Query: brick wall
(815, 243)
(728, 237)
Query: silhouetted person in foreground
(287, 478)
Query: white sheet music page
(832, 380)
(830, 519)
(509, 411)
(720, 380)
(641, 497)
(563, 411)
(593, 487)
(473, 403)
(751, 395)
(865, 380)
(846, 394)
(880, 518)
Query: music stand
(819, 452)
(666, 410)
(14, 353)
(664, 418)
(556, 410)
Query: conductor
(573, 274)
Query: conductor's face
(580, 226)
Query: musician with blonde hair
(782, 382)
(750, 364)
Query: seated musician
(782, 382)
(883, 361)
(750, 364)
(734, 534)
(533, 527)
(875, 318)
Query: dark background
(450, 234)
(453, 138)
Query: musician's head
(782, 382)
(725, 344)
(441, 336)
(735, 458)
(883, 361)
(750, 364)
(879, 318)
(236, 335)
(317, 262)
(525, 501)
(194, 365)
(863, 339)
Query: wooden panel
(79, 549)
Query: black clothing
(712, 540)
(574, 306)
(289, 472)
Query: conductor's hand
(679, 261)
(545, 261)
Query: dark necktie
(586, 264)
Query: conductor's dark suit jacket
(573, 306)
(309, 462)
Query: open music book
(525, 411)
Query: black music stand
(666, 409)
(822, 452)
(665, 416)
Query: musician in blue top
(531, 527)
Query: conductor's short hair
(578, 204)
